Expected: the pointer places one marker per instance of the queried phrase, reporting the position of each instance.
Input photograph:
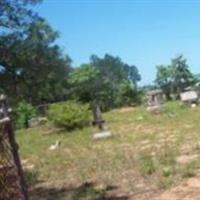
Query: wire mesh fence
(12, 185)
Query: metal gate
(12, 185)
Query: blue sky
(145, 33)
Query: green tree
(114, 72)
(32, 66)
(164, 79)
(174, 78)
(128, 94)
(85, 83)
(132, 74)
(114, 69)
(16, 14)
(101, 79)
(196, 79)
(181, 75)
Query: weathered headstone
(154, 100)
(190, 97)
(37, 121)
(99, 122)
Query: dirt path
(189, 190)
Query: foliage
(31, 60)
(181, 75)
(29, 57)
(128, 94)
(16, 14)
(103, 79)
(174, 78)
(164, 79)
(69, 115)
(24, 112)
(114, 69)
(85, 82)
(197, 78)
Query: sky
(144, 33)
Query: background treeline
(33, 68)
(176, 77)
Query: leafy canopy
(15, 14)
(32, 66)
(101, 79)
(174, 78)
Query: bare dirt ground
(188, 190)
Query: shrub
(69, 115)
(24, 112)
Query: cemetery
(91, 105)
(143, 146)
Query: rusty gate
(12, 185)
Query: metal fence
(12, 185)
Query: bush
(24, 112)
(69, 115)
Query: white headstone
(102, 135)
(189, 96)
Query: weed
(165, 182)
(189, 169)
(147, 165)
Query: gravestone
(189, 97)
(154, 100)
(99, 122)
(37, 121)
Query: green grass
(189, 169)
(143, 151)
